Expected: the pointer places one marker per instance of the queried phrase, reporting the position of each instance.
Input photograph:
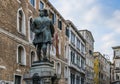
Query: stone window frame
(78, 43)
(23, 32)
(67, 31)
(60, 24)
(23, 56)
(32, 4)
(78, 79)
(29, 31)
(72, 78)
(82, 48)
(52, 50)
(31, 56)
(72, 38)
(72, 55)
(66, 72)
(59, 45)
(65, 51)
(58, 71)
(18, 75)
(42, 4)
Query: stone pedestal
(40, 73)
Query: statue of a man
(44, 31)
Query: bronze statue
(43, 28)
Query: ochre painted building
(101, 69)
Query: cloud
(114, 21)
(108, 37)
(89, 14)
(92, 15)
(85, 10)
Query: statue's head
(43, 12)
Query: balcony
(77, 68)
(117, 68)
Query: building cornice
(76, 30)
(13, 36)
(116, 47)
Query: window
(31, 33)
(59, 46)
(73, 56)
(117, 53)
(52, 17)
(21, 21)
(66, 72)
(82, 48)
(32, 57)
(82, 80)
(52, 50)
(60, 24)
(72, 38)
(17, 79)
(117, 77)
(82, 63)
(21, 55)
(66, 52)
(72, 78)
(67, 32)
(78, 44)
(117, 64)
(77, 80)
(78, 60)
(41, 5)
(32, 2)
(58, 68)
(90, 52)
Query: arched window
(21, 55)
(41, 5)
(31, 34)
(21, 21)
(52, 50)
(33, 3)
(59, 46)
(32, 57)
(66, 52)
(58, 68)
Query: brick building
(17, 52)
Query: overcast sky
(101, 17)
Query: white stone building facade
(116, 64)
(89, 55)
(76, 56)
